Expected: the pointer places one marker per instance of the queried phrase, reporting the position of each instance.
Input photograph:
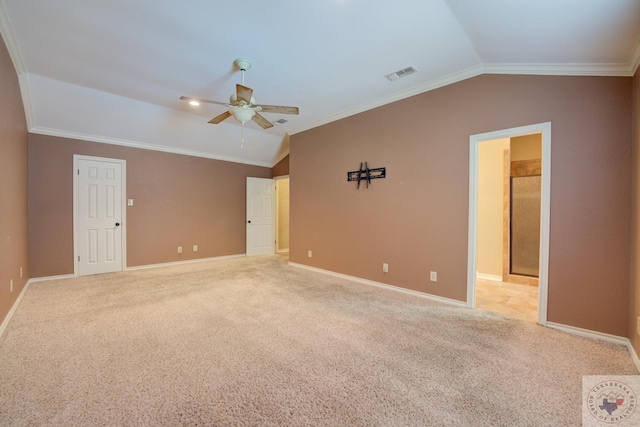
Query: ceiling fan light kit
(242, 106)
(243, 115)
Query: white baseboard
(48, 278)
(563, 328)
(614, 339)
(491, 277)
(634, 355)
(9, 315)
(7, 319)
(190, 261)
(383, 285)
(283, 251)
(144, 267)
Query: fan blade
(201, 101)
(244, 93)
(279, 109)
(264, 123)
(220, 118)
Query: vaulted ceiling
(113, 71)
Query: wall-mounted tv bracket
(366, 174)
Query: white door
(261, 236)
(99, 215)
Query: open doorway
(509, 186)
(282, 214)
(508, 234)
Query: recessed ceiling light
(194, 103)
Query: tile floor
(514, 300)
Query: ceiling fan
(242, 105)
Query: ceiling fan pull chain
(242, 136)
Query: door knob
(117, 224)
(249, 221)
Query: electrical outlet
(21, 272)
(179, 249)
(310, 254)
(11, 285)
(385, 267)
(433, 276)
(195, 248)
(638, 325)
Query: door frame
(123, 164)
(545, 213)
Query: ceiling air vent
(399, 74)
(280, 122)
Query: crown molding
(23, 81)
(284, 150)
(144, 146)
(635, 58)
(18, 64)
(10, 41)
(611, 70)
(434, 84)
(621, 70)
(280, 158)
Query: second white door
(99, 215)
(261, 237)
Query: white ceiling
(113, 70)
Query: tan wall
(490, 206)
(282, 188)
(527, 147)
(634, 297)
(416, 219)
(178, 201)
(13, 186)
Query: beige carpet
(254, 342)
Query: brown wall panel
(178, 201)
(282, 167)
(416, 219)
(13, 186)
